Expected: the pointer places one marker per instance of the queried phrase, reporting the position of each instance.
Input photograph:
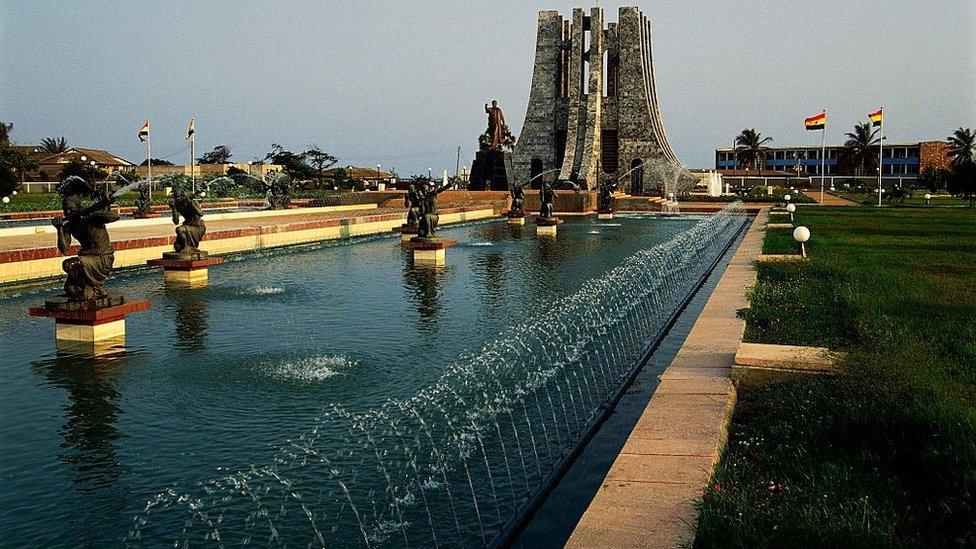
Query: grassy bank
(885, 453)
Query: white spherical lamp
(6, 200)
(791, 208)
(802, 234)
(927, 196)
(14, 193)
(787, 198)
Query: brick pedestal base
(88, 324)
(429, 251)
(185, 273)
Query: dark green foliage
(750, 148)
(156, 162)
(82, 170)
(219, 155)
(962, 181)
(860, 147)
(292, 164)
(54, 145)
(884, 454)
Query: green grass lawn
(884, 454)
(917, 199)
(780, 241)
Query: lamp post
(378, 184)
(802, 234)
(928, 198)
(791, 208)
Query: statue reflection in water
(421, 285)
(89, 430)
(191, 321)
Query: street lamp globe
(6, 200)
(14, 193)
(801, 234)
(791, 208)
(787, 198)
(928, 196)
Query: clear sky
(403, 83)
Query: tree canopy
(54, 145)
(860, 145)
(294, 165)
(961, 146)
(219, 155)
(320, 159)
(157, 162)
(750, 147)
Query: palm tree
(749, 145)
(860, 142)
(961, 145)
(54, 145)
(5, 130)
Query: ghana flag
(816, 122)
(876, 117)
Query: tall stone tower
(593, 111)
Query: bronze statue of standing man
(496, 125)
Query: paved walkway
(25, 257)
(117, 234)
(647, 498)
(830, 199)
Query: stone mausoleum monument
(86, 314)
(492, 167)
(593, 110)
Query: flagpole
(880, 156)
(149, 162)
(823, 156)
(193, 173)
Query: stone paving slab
(769, 258)
(830, 199)
(648, 496)
(764, 355)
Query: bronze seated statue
(86, 272)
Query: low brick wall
(566, 201)
(45, 262)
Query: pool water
(218, 380)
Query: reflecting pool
(335, 393)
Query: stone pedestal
(92, 326)
(181, 271)
(430, 251)
(516, 220)
(491, 171)
(604, 215)
(406, 232)
(547, 225)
